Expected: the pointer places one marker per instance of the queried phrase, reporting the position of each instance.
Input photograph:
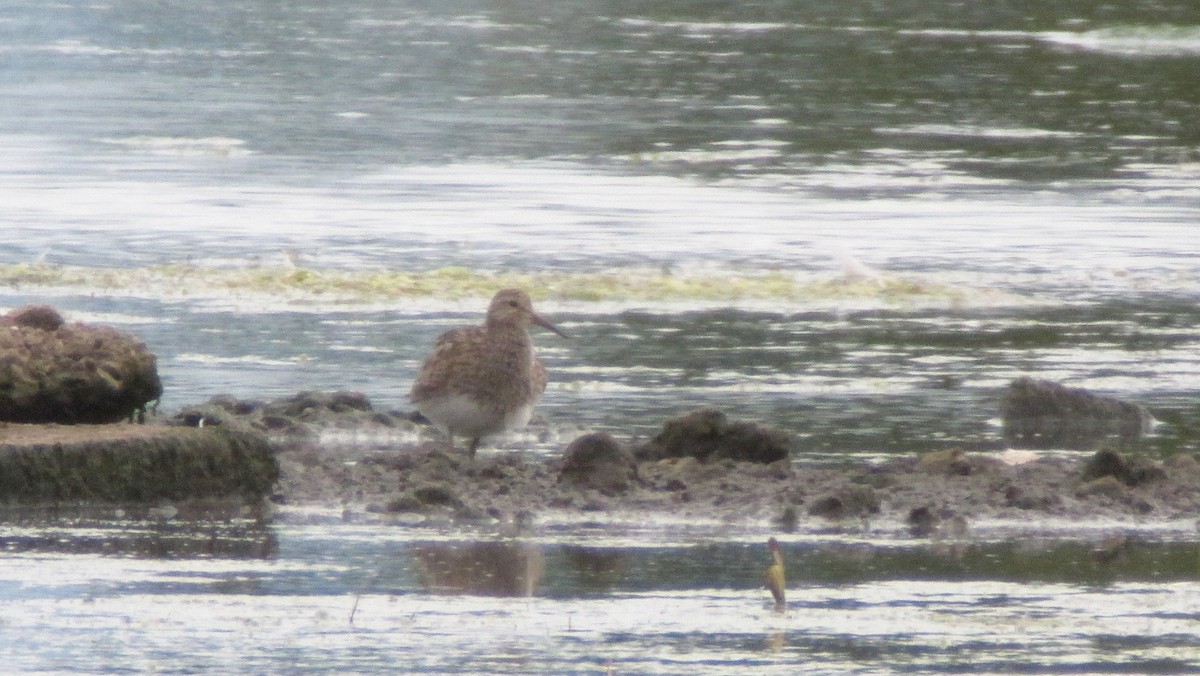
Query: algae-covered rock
(848, 502)
(942, 523)
(57, 372)
(298, 418)
(1130, 471)
(597, 461)
(708, 434)
(1045, 414)
(131, 463)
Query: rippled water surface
(318, 598)
(856, 221)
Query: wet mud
(413, 477)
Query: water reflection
(490, 568)
(164, 532)
(568, 570)
(596, 569)
(580, 599)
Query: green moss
(179, 464)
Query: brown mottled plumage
(482, 380)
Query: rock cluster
(298, 418)
(52, 371)
(1045, 414)
(708, 434)
(937, 494)
(598, 461)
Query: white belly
(463, 416)
(518, 418)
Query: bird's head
(513, 307)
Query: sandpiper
(483, 380)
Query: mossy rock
(708, 434)
(131, 463)
(1129, 470)
(57, 372)
(597, 461)
(1042, 414)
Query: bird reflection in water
(497, 568)
(597, 569)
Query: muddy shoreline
(336, 452)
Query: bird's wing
(539, 377)
(443, 362)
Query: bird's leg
(471, 448)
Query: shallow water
(315, 598)
(855, 221)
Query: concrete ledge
(42, 464)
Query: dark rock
(53, 372)
(597, 461)
(41, 317)
(283, 424)
(1032, 498)
(1045, 414)
(435, 495)
(297, 419)
(939, 523)
(707, 434)
(404, 503)
(314, 406)
(788, 520)
(385, 419)
(846, 503)
(349, 401)
(1107, 463)
(1131, 472)
(922, 521)
(425, 499)
(472, 514)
